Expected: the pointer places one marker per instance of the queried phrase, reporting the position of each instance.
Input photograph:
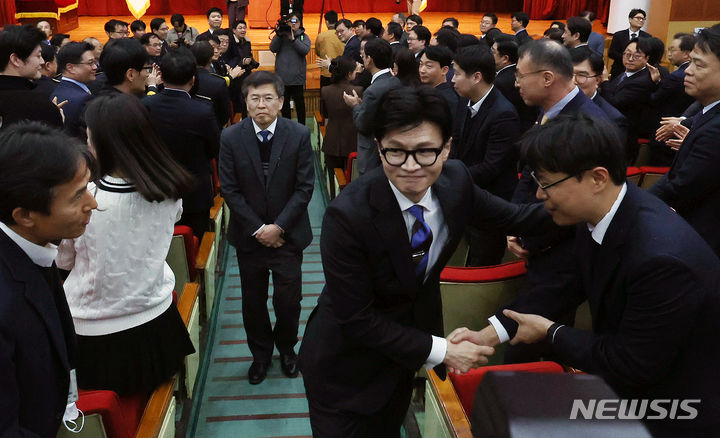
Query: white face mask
(70, 419)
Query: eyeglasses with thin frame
(255, 100)
(634, 56)
(639, 18)
(424, 157)
(547, 186)
(521, 76)
(89, 63)
(581, 78)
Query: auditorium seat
(182, 254)
(634, 175)
(351, 171)
(651, 175)
(643, 152)
(471, 295)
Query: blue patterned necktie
(420, 242)
(265, 134)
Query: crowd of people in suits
(460, 113)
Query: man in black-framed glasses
(385, 239)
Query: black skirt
(136, 360)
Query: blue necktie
(420, 242)
(265, 134)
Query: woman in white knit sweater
(130, 334)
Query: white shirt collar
(377, 74)
(630, 32)
(630, 73)
(40, 255)
(593, 96)
(394, 42)
(474, 108)
(519, 31)
(270, 128)
(711, 106)
(507, 66)
(598, 231)
(555, 109)
(79, 84)
(405, 203)
(581, 45)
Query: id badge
(73, 390)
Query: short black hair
(555, 34)
(235, 25)
(477, 59)
(656, 49)
(72, 53)
(48, 52)
(57, 39)
(508, 46)
(590, 15)
(111, 24)
(34, 160)
(708, 41)
(467, 39)
(178, 66)
(453, 20)
(687, 41)
(521, 17)
(580, 54)
(145, 39)
(208, 37)
(559, 24)
(581, 26)
(213, 9)
(492, 16)
(345, 22)
(405, 108)
(341, 67)
(20, 40)
(587, 143)
(178, 19)
(549, 55)
(120, 56)
(375, 26)
(407, 67)
(414, 17)
(448, 37)
(634, 12)
(331, 17)
(155, 23)
(395, 29)
(357, 23)
(440, 54)
(259, 78)
(490, 36)
(380, 51)
(203, 52)
(137, 25)
(423, 33)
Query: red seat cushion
(348, 169)
(484, 274)
(652, 169)
(121, 415)
(632, 171)
(42, 5)
(466, 384)
(191, 246)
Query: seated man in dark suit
(190, 131)
(385, 239)
(670, 98)
(43, 199)
(435, 63)
(267, 177)
(20, 64)
(652, 283)
(518, 23)
(77, 63)
(629, 92)
(505, 52)
(211, 85)
(587, 71)
(621, 38)
(691, 186)
(485, 135)
(418, 39)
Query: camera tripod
(322, 13)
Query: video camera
(282, 27)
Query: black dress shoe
(288, 362)
(257, 372)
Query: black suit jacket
(283, 200)
(692, 186)
(631, 96)
(619, 41)
(505, 82)
(487, 143)
(615, 116)
(373, 324)
(352, 49)
(523, 37)
(19, 101)
(654, 296)
(74, 109)
(215, 88)
(37, 339)
(670, 98)
(192, 136)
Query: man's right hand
(463, 356)
(514, 246)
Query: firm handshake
(468, 349)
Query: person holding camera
(290, 45)
(181, 34)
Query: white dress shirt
(378, 74)
(79, 84)
(433, 216)
(40, 255)
(709, 107)
(270, 128)
(475, 107)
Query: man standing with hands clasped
(267, 178)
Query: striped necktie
(420, 242)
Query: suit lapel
(248, 132)
(390, 224)
(448, 199)
(279, 140)
(694, 131)
(479, 119)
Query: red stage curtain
(563, 9)
(7, 12)
(167, 7)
